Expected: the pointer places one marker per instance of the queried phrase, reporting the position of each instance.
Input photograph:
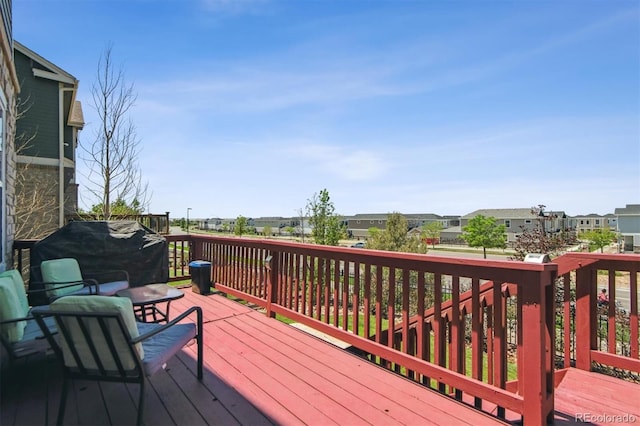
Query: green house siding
(39, 128)
(68, 130)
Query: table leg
(166, 317)
(154, 311)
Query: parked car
(359, 244)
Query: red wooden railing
(179, 256)
(481, 331)
(599, 335)
(359, 295)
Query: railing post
(537, 299)
(195, 249)
(585, 316)
(272, 264)
(19, 248)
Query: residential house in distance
(211, 224)
(591, 222)
(629, 227)
(50, 118)
(228, 224)
(358, 225)
(277, 224)
(518, 220)
(9, 88)
(450, 221)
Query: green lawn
(180, 283)
(512, 371)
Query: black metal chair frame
(91, 279)
(136, 375)
(27, 347)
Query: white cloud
(343, 162)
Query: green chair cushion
(20, 290)
(61, 271)
(10, 309)
(106, 304)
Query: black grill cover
(106, 246)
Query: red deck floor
(261, 371)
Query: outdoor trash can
(200, 271)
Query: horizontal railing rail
(156, 222)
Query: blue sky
(249, 107)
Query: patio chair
(99, 339)
(63, 277)
(20, 335)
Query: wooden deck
(261, 371)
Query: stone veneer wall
(36, 201)
(8, 85)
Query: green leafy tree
(267, 231)
(432, 231)
(485, 232)
(119, 208)
(327, 227)
(240, 227)
(290, 230)
(600, 237)
(395, 236)
(373, 233)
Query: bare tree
(300, 226)
(539, 240)
(112, 159)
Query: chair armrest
(4, 342)
(196, 309)
(41, 310)
(9, 321)
(40, 286)
(45, 308)
(107, 276)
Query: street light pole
(188, 208)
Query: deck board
(340, 370)
(304, 393)
(259, 371)
(582, 392)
